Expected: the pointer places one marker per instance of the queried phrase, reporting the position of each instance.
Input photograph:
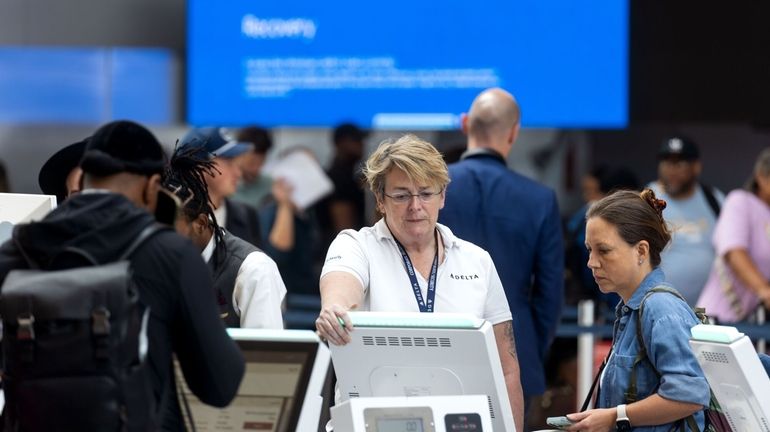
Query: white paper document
(305, 175)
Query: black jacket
(242, 220)
(172, 280)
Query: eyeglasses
(404, 197)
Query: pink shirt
(744, 223)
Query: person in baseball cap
(220, 145)
(692, 208)
(217, 141)
(679, 147)
(679, 166)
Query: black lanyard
(413, 278)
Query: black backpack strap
(164, 397)
(708, 192)
(146, 233)
(24, 255)
(590, 394)
(632, 394)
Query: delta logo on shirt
(463, 277)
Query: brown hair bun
(657, 204)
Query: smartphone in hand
(560, 423)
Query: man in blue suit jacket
(517, 221)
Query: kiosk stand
(420, 373)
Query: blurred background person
(516, 220)
(291, 236)
(692, 211)
(240, 219)
(255, 186)
(596, 184)
(738, 282)
(345, 208)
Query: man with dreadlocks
(246, 281)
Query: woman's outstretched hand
(334, 325)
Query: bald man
(517, 221)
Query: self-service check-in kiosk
(735, 374)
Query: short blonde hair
(417, 158)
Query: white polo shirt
(467, 281)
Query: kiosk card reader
(735, 374)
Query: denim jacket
(666, 334)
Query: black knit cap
(123, 146)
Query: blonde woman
(407, 262)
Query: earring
(641, 261)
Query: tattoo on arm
(509, 334)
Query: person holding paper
(408, 262)
(289, 223)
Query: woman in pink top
(739, 277)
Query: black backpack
(74, 347)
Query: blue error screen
(405, 64)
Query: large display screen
(405, 64)
(86, 85)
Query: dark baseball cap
(680, 147)
(217, 141)
(123, 146)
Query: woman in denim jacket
(625, 234)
